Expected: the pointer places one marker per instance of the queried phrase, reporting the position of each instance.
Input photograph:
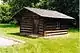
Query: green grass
(68, 44)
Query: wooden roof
(47, 13)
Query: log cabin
(42, 22)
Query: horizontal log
(40, 29)
(26, 18)
(29, 21)
(25, 31)
(26, 24)
(56, 30)
(56, 33)
(26, 28)
(41, 33)
(40, 24)
(50, 26)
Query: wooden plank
(55, 34)
(41, 33)
(26, 24)
(50, 26)
(27, 28)
(26, 31)
(40, 29)
(29, 21)
(56, 31)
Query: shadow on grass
(18, 34)
(8, 25)
(73, 30)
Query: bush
(5, 14)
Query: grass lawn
(68, 44)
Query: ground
(66, 44)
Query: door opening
(35, 26)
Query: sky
(1, 2)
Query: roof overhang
(46, 13)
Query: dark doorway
(35, 26)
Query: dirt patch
(5, 41)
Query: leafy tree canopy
(5, 14)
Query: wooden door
(35, 25)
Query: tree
(5, 14)
(18, 4)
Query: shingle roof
(49, 13)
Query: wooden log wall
(26, 27)
(64, 24)
(51, 27)
(28, 24)
(49, 24)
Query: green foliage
(13, 22)
(5, 14)
(18, 4)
